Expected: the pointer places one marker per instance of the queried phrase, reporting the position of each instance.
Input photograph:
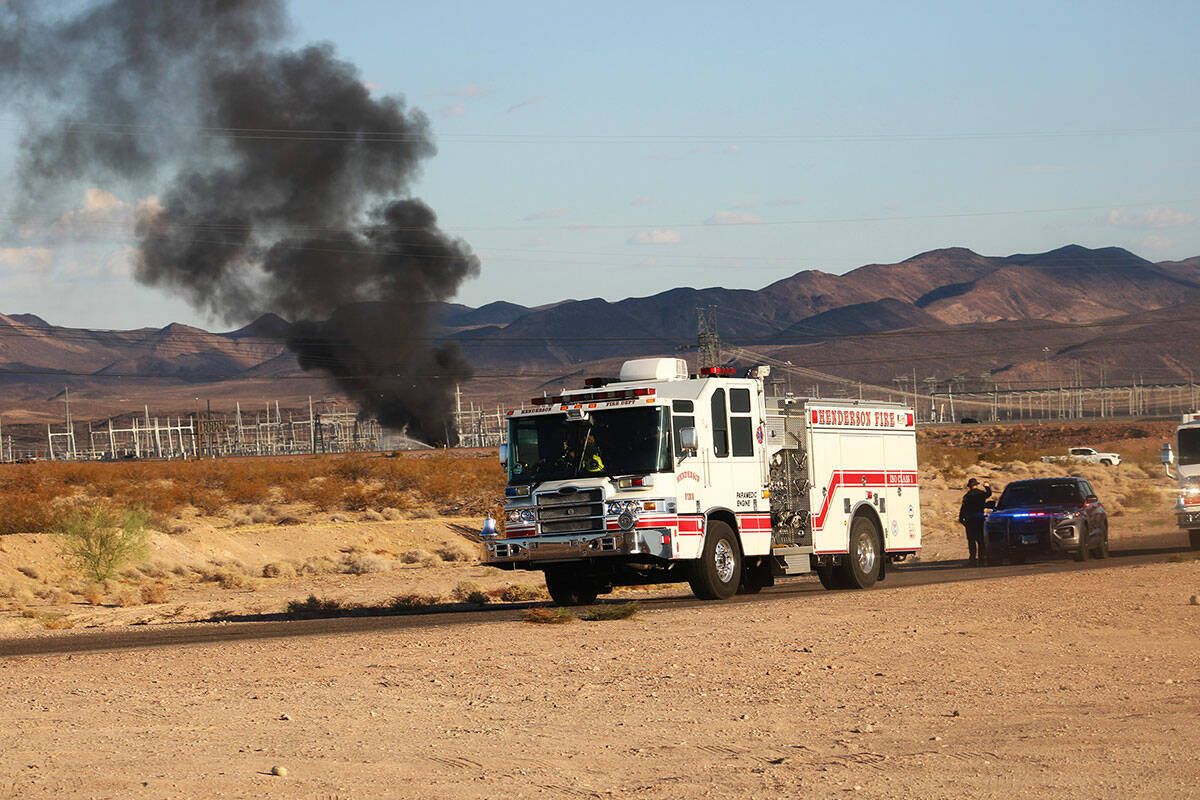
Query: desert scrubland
(1072, 684)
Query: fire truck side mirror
(688, 440)
(1167, 455)
(504, 453)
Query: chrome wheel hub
(865, 552)
(723, 561)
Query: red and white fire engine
(664, 476)
(1186, 472)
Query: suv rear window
(1058, 493)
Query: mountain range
(1019, 320)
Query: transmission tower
(708, 343)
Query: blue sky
(622, 149)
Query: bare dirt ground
(1073, 684)
(1080, 684)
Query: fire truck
(1184, 468)
(663, 476)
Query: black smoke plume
(283, 184)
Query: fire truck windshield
(619, 442)
(1189, 447)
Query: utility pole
(708, 342)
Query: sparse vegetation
(414, 602)
(315, 607)
(521, 593)
(100, 540)
(549, 616)
(33, 497)
(603, 613)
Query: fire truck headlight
(518, 516)
(619, 506)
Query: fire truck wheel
(831, 576)
(1194, 540)
(861, 568)
(718, 572)
(568, 588)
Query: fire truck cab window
(1189, 446)
(682, 416)
(720, 425)
(608, 443)
(741, 427)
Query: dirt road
(1080, 683)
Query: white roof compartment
(654, 369)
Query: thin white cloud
(26, 259)
(1156, 242)
(473, 90)
(730, 149)
(733, 218)
(103, 216)
(701, 148)
(642, 201)
(372, 86)
(656, 236)
(1150, 219)
(455, 110)
(532, 101)
(549, 213)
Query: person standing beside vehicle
(970, 515)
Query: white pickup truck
(1088, 455)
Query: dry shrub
(365, 564)
(319, 565)
(247, 490)
(55, 622)
(278, 569)
(30, 572)
(258, 516)
(93, 594)
(357, 497)
(228, 577)
(417, 556)
(209, 501)
(604, 613)
(465, 589)
(371, 515)
(354, 467)
(549, 616)
(392, 514)
(479, 598)
(128, 597)
(314, 607)
(241, 521)
(322, 493)
(1141, 498)
(454, 551)
(23, 511)
(156, 592)
(521, 593)
(62, 597)
(414, 602)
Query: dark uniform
(970, 514)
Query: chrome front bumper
(560, 548)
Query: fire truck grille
(574, 512)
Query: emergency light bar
(591, 397)
(713, 372)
